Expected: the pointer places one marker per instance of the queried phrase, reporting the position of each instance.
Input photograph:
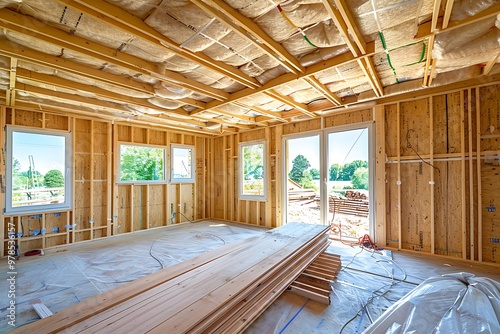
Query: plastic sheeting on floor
(451, 303)
(68, 275)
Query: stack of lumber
(356, 207)
(301, 196)
(221, 291)
(314, 282)
(355, 195)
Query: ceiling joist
(287, 60)
(117, 17)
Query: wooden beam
(351, 25)
(289, 101)
(447, 12)
(342, 26)
(428, 62)
(479, 181)
(243, 32)
(23, 24)
(119, 18)
(72, 85)
(11, 49)
(253, 29)
(10, 93)
(470, 132)
(463, 231)
(380, 175)
(275, 115)
(369, 70)
(100, 105)
(487, 69)
(398, 181)
(431, 181)
(321, 88)
(435, 15)
(490, 12)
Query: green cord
(308, 41)
(421, 57)
(388, 56)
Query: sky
(339, 143)
(47, 151)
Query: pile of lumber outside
(221, 291)
(356, 207)
(302, 196)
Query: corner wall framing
(442, 174)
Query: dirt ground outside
(343, 225)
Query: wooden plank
(478, 171)
(105, 301)
(463, 181)
(380, 174)
(310, 294)
(431, 181)
(283, 244)
(398, 178)
(471, 176)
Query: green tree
(299, 165)
(53, 179)
(360, 178)
(334, 172)
(253, 157)
(314, 173)
(347, 170)
(141, 163)
(306, 180)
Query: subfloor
(369, 282)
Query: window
(182, 163)
(39, 170)
(141, 163)
(252, 170)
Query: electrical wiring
(293, 25)
(380, 292)
(410, 146)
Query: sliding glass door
(328, 177)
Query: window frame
(119, 168)
(191, 179)
(241, 194)
(68, 172)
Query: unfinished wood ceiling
(212, 66)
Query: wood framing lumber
(314, 283)
(218, 291)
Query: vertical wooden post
(148, 189)
(431, 181)
(131, 218)
(212, 178)
(380, 214)
(268, 203)
(168, 171)
(400, 232)
(116, 177)
(110, 203)
(3, 175)
(224, 178)
(91, 181)
(279, 180)
(464, 197)
(471, 177)
(231, 186)
(479, 189)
